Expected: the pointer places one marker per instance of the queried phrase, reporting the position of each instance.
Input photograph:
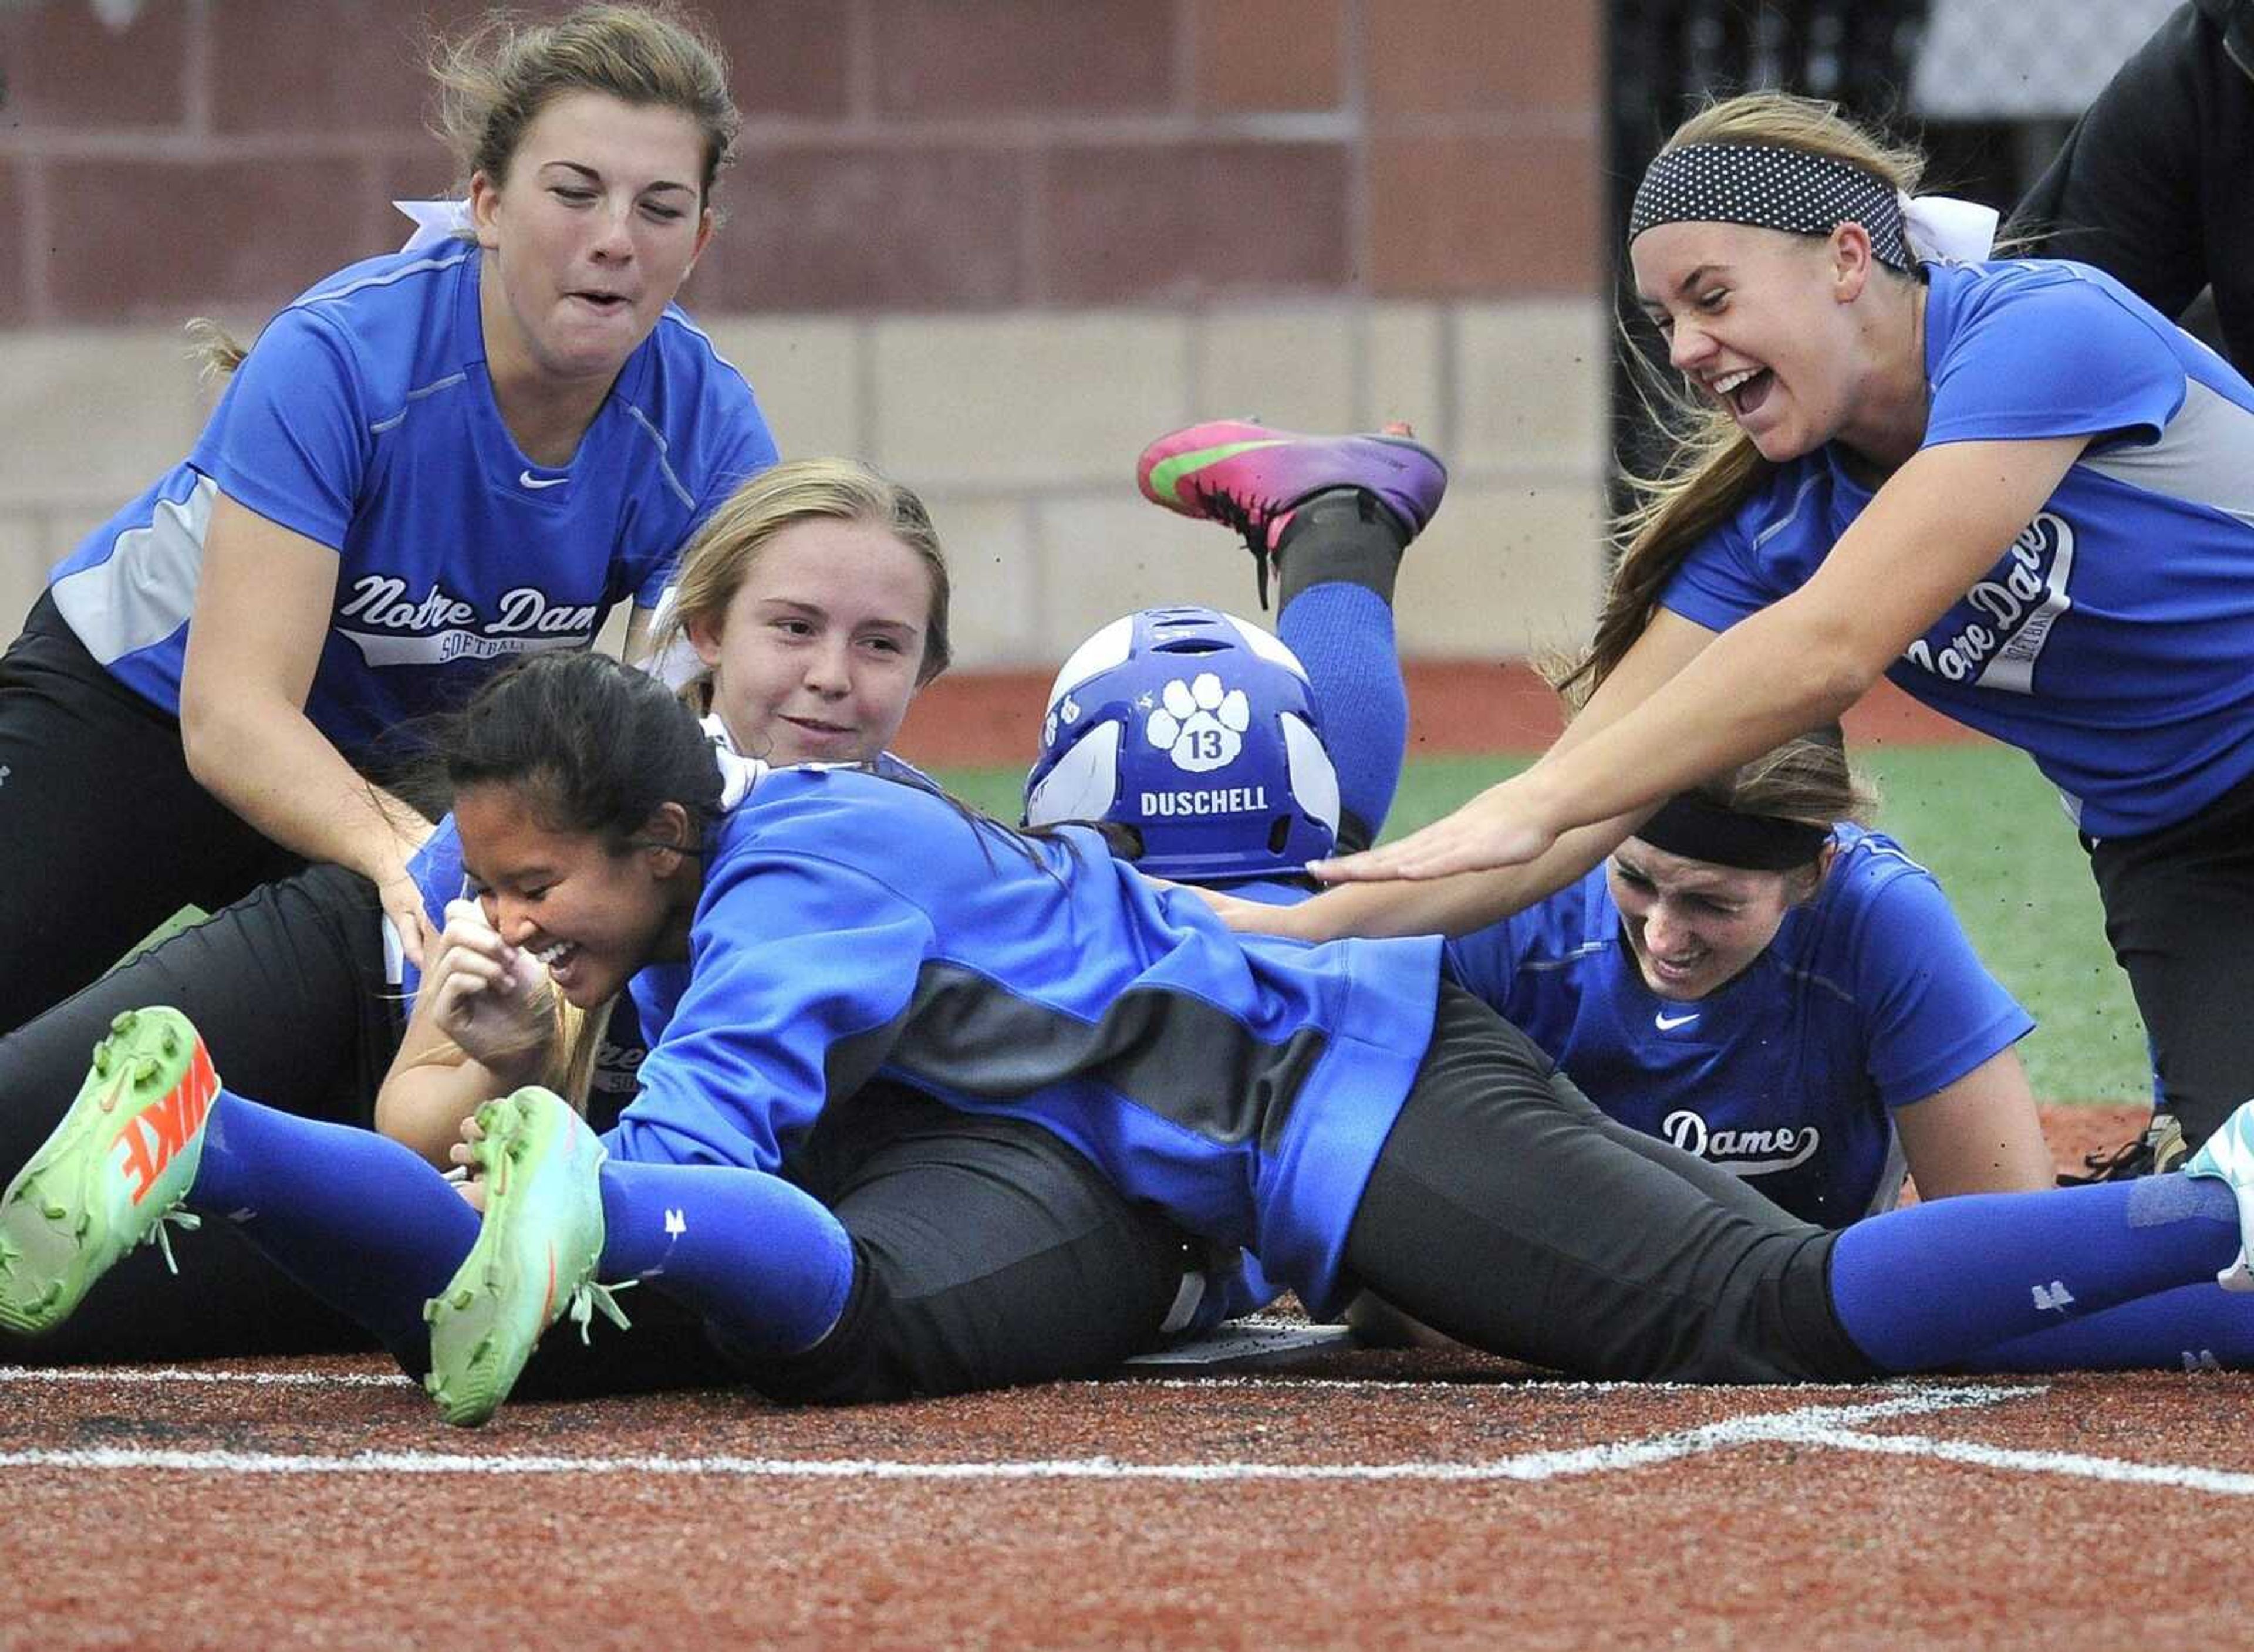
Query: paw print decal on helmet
(1200, 724)
(1066, 713)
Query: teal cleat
(2229, 1156)
(534, 1260)
(112, 1175)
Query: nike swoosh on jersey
(526, 479)
(1667, 1023)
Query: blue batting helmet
(1197, 730)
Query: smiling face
(822, 647)
(593, 914)
(597, 224)
(1763, 323)
(1694, 926)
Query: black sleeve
(2125, 190)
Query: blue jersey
(1242, 1084)
(440, 877)
(437, 868)
(1869, 998)
(2109, 641)
(364, 420)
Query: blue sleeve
(799, 970)
(291, 439)
(746, 448)
(1932, 1012)
(1721, 581)
(2065, 358)
(1485, 962)
(436, 870)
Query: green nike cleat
(113, 1173)
(535, 1258)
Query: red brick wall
(918, 154)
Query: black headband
(1696, 828)
(1770, 187)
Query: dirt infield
(1326, 1507)
(2074, 1132)
(1456, 706)
(1357, 1499)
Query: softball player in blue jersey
(430, 462)
(821, 592)
(1340, 1110)
(2013, 488)
(791, 631)
(1792, 1001)
(1753, 978)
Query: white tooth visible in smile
(555, 955)
(1730, 381)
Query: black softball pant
(2179, 907)
(1506, 1211)
(987, 1253)
(106, 833)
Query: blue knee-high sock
(768, 1266)
(1936, 1284)
(1343, 634)
(354, 1217)
(2197, 1326)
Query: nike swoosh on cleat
(1167, 473)
(526, 479)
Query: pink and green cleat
(112, 1175)
(1250, 478)
(535, 1257)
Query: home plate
(1242, 1343)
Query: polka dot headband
(1771, 187)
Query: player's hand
(1246, 917)
(490, 998)
(467, 1182)
(1498, 827)
(402, 904)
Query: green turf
(1991, 829)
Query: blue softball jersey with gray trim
(2110, 639)
(440, 877)
(1243, 1084)
(1871, 996)
(363, 419)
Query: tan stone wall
(994, 245)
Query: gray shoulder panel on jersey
(1799, 498)
(1166, 1052)
(664, 459)
(145, 589)
(399, 418)
(2205, 457)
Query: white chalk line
(1809, 1426)
(101, 1376)
(1824, 1427)
(2072, 1465)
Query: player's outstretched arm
(262, 616)
(1701, 703)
